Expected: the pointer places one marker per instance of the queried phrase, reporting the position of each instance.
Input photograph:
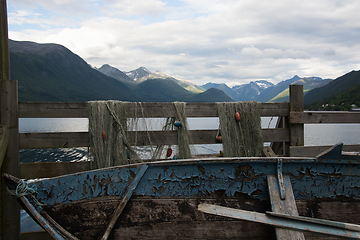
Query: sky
(219, 41)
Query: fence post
(9, 208)
(296, 105)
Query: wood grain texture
(9, 118)
(154, 110)
(3, 143)
(296, 105)
(324, 117)
(286, 206)
(81, 139)
(165, 218)
(173, 218)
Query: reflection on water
(34, 125)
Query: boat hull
(163, 202)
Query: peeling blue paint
(310, 179)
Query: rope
(22, 189)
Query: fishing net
(183, 132)
(110, 125)
(243, 138)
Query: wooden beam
(3, 144)
(54, 140)
(286, 206)
(51, 169)
(9, 117)
(324, 117)
(4, 42)
(296, 105)
(268, 152)
(53, 110)
(81, 139)
(10, 211)
(312, 151)
(153, 110)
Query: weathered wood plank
(286, 206)
(312, 151)
(335, 210)
(276, 135)
(3, 144)
(54, 140)
(268, 152)
(81, 139)
(161, 110)
(324, 117)
(296, 105)
(9, 118)
(275, 109)
(51, 169)
(53, 110)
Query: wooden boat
(200, 199)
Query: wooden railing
(152, 110)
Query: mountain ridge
(51, 72)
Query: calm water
(315, 134)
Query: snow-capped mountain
(138, 74)
(244, 92)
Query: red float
(169, 152)
(237, 116)
(219, 139)
(103, 134)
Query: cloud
(205, 40)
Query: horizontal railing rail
(153, 110)
(324, 117)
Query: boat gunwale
(354, 159)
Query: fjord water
(315, 135)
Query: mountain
(245, 92)
(138, 74)
(51, 72)
(186, 84)
(344, 101)
(337, 86)
(308, 83)
(252, 91)
(223, 87)
(212, 94)
(142, 74)
(166, 90)
(114, 73)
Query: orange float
(103, 134)
(237, 116)
(219, 139)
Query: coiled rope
(22, 189)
